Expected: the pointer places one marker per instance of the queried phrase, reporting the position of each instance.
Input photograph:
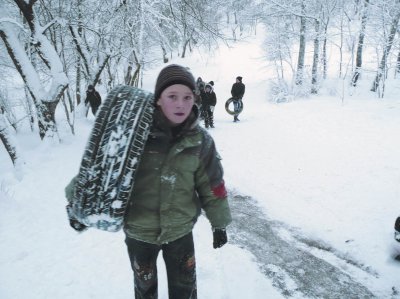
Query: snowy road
(298, 268)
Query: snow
(169, 179)
(327, 167)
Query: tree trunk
(7, 141)
(110, 72)
(314, 76)
(357, 72)
(67, 114)
(132, 77)
(398, 63)
(184, 48)
(324, 53)
(78, 59)
(78, 82)
(302, 49)
(341, 46)
(7, 110)
(164, 51)
(386, 51)
(46, 116)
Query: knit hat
(173, 74)
(239, 78)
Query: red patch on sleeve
(220, 190)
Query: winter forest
(317, 144)
(52, 50)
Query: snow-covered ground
(326, 166)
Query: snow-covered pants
(208, 116)
(180, 263)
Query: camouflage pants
(180, 263)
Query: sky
(326, 166)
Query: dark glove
(220, 237)
(397, 229)
(76, 225)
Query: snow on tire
(111, 157)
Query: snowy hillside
(326, 167)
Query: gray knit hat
(173, 74)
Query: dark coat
(209, 98)
(93, 98)
(238, 90)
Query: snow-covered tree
(390, 24)
(39, 66)
(360, 44)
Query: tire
(111, 157)
(232, 112)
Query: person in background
(237, 92)
(93, 99)
(200, 84)
(209, 100)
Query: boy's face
(176, 102)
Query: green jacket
(179, 174)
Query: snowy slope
(329, 169)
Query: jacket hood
(209, 86)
